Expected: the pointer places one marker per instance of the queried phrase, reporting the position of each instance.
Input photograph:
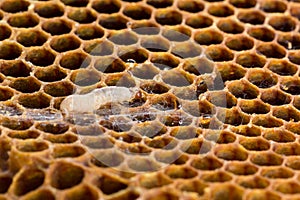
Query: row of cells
(139, 11)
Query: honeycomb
(213, 110)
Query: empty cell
(106, 6)
(67, 151)
(271, 50)
(14, 6)
(243, 3)
(107, 158)
(5, 32)
(282, 67)
(40, 56)
(99, 48)
(219, 176)
(253, 182)
(220, 10)
(137, 11)
(56, 129)
(267, 121)
(15, 68)
(226, 191)
(243, 89)
(177, 33)
(143, 164)
(40, 194)
(57, 26)
(209, 36)
(23, 20)
(250, 60)
(287, 113)
(275, 97)
(139, 55)
(241, 168)
(168, 17)
(259, 194)
(49, 9)
(253, 17)
(199, 21)
(155, 43)
(255, 144)
(35, 100)
(84, 77)
(294, 57)
(123, 37)
(282, 23)
(218, 53)
(230, 71)
(75, 3)
(190, 6)
(239, 43)
(26, 85)
(5, 93)
(287, 187)
(10, 50)
(114, 21)
(182, 172)
(288, 149)
(273, 6)
(261, 33)
(31, 38)
(82, 15)
(289, 41)
(266, 159)
(81, 193)
(186, 50)
(64, 43)
(75, 60)
(290, 85)
(32, 146)
(254, 106)
(229, 25)
(50, 74)
(262, 78)
(139, 71)
(89, 32)
(231, 152)
(159, 3)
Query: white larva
(88, 103)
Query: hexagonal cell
(226, 191)
(123, 37)
(107, 158)
(286, 113)
(243, 89)
(30, 134)
(168, 16)
(154, 87)
(67, 151)
(99, 48)
(5, 182)
(229, 25)
(176, 78)
(176, 33)
(275, 97)
(154, 180)
(82, 192)
(222, 99)
(145, 28)
(293, 162)
(233, 116)
(254, 106)
(278, 172)
(160, 3)
(186, 49)
(195, 146)
(137, 11)
(195, 186)
(49, 9)
(32, 146)
(109, 65)
(5, 32)
(266, 159)
(85, 77)
(288, 149)
(289, 41)
(282, 67)
(260, 194)
(164, 61)
(282, 23)
(287, 187)
(14, 6)
(278, 135)
(120, 79)
(218, 176)
(230, 71)
(139, 71)
(253, 182)
(294, 57)
(40, 56)
(218, 53)
(5, 93)
(249, 131)
(199, 21)
(254, 17)
(271, 50)
(36, 100)
(243, 3)
(255, 144)
(28, 180)
(40, 194)
(23, 20)
(290, 85)
(82, 15)
(89, 32)
(267, 121)
(142, 164)
(261, 33)
(64, 43)
(183, 172)
(190, 6)
(155, 43)
(98, 142)
(62, 88)
(208, 36)
(206, 163)
(75, 60)
(65, 175)
(220, 137)
(150, 129)
(273, 6)
(296, 102)
(136, 54)
(231, 152)
(241, 168)
(239, 43)
(114, 21)
(31, 38)
(50, 74)
(106, 6)
(55, 128)
(220, 10)
(57, 26)
(16, 124)
(198, 66)
(262, 78)
(15, 68)
(25, 85)
(294, 11)
(250, 60)
(10, 50)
